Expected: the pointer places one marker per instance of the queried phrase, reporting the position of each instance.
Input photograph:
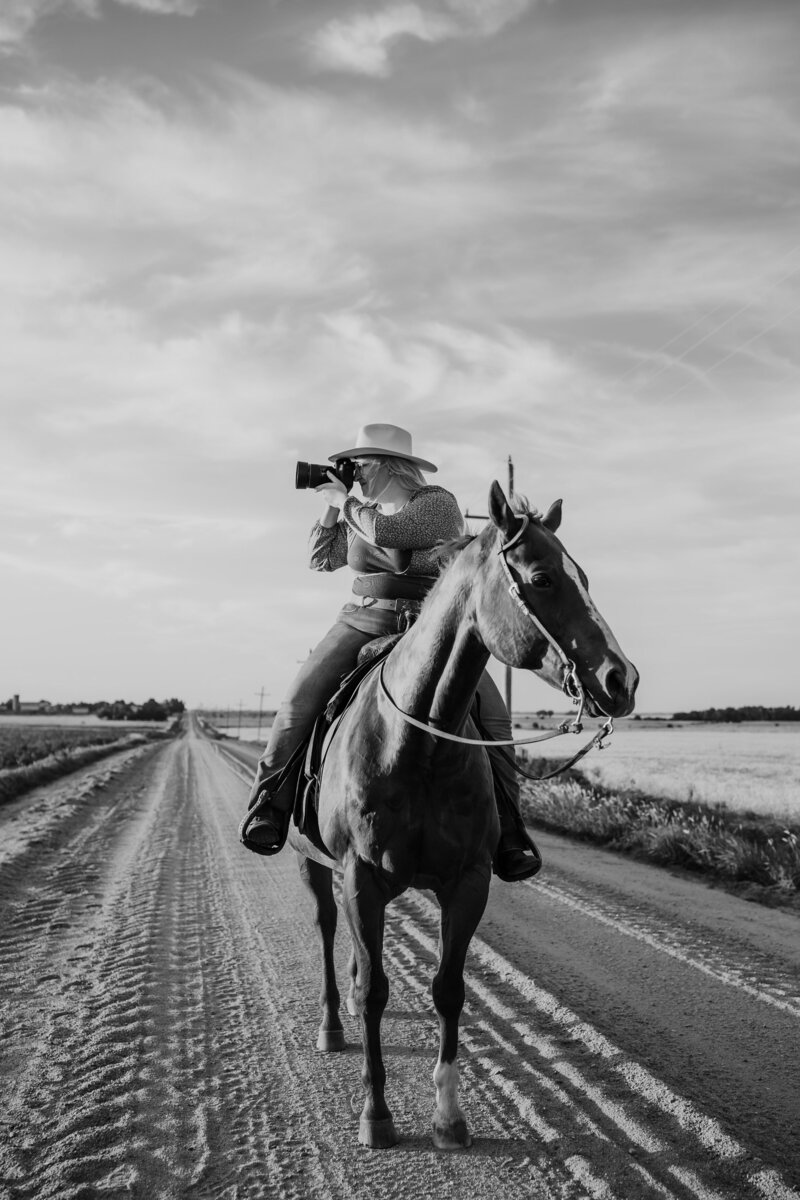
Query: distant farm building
(30, 706)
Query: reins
(572, 686)
(564, 727)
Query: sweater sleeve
(431, 515)
(327, 547)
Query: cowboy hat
(388, 440)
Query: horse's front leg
(462, 908)
(364, 900)
(352, 971)
(319, 880)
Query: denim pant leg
(495, 717)
(312, 688)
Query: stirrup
(277, 818)
(520, 861)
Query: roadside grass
(733, 847)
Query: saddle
(313, 751)
(316, 745)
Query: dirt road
(627, 1033)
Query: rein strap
(564, 727)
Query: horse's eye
(540, 580)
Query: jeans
(319, 677)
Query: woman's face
(371, 477)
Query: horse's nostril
(615, 682)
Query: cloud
(363, 42)
(181, 8)
(487, 17)
(201, 286)
(19, 17)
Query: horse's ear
(501, 511)
(552, 518)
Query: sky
(234, 231)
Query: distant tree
(151, 710)
(735, 716)
(117, 710)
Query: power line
(711, 333)
(736, 350)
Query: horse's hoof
(451, 1137)
(331, 1039)
(377, 1135)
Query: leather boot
(517, 856)
(266, 833)
(266, 825)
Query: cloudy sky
(233, 231)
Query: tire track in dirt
(749, 969)
(323, 1092)
(100, 1078)
(627, 1129)
(581, 1077)
(159, 1035)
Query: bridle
(571, 686)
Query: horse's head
(535, 610)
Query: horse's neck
(436, 668)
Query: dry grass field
(752, 768)
(721, 799)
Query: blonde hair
(404, 471)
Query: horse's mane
(521, 504)
(445, 552)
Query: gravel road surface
(628, 1033)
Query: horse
(405, 800)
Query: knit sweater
(359, 538)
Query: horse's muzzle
(614, 694)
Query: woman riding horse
(389, 539)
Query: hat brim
(377, 452)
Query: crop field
(746, 768)
(22, 745)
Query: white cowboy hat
(389, 440)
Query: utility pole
(239, 726)
(478, 517)
(510, 498)
(260, 708)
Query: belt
(383, 585)
(391, 605)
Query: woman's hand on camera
(333, 493)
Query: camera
(311, 475)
